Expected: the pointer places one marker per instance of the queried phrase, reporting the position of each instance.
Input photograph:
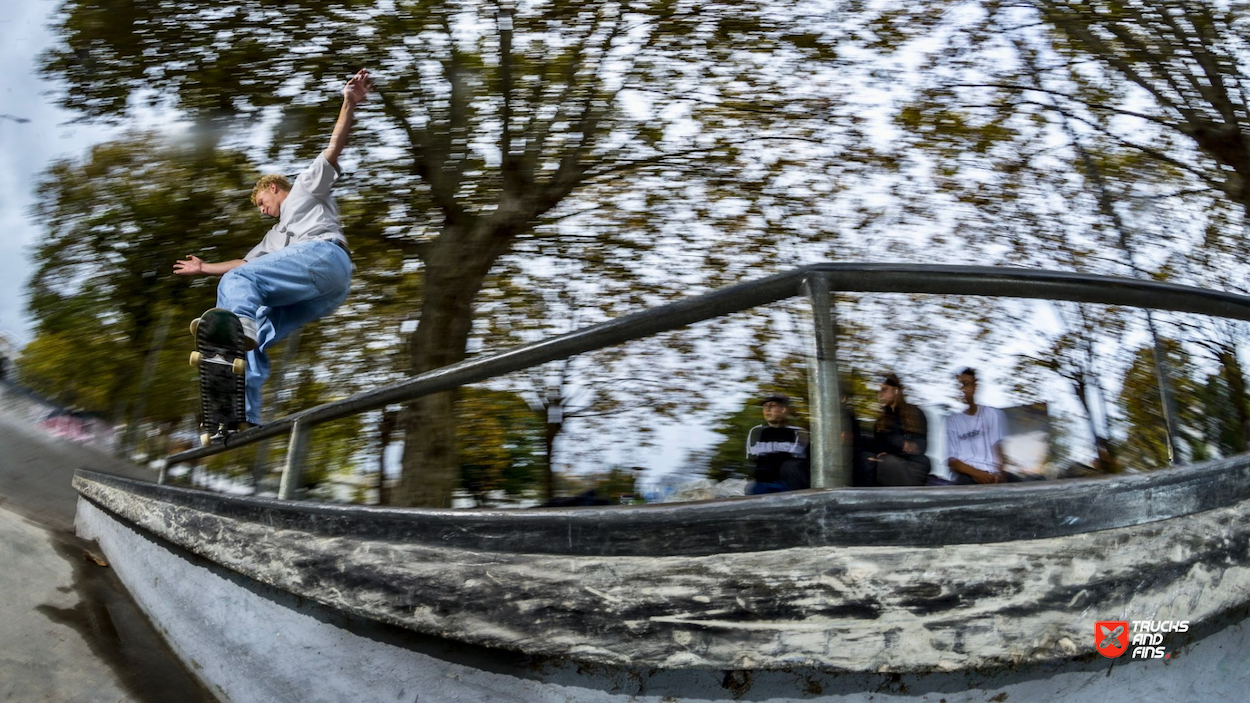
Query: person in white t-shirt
(301, 270)
(974, 438)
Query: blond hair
(266, 181)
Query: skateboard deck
(220, 358)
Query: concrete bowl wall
(272, 601)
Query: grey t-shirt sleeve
(319, 177)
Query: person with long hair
(900, 438)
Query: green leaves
(1146, 443)
(113, 226)
(595, 158)
(501, 444)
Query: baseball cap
(777, 398)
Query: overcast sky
(26, 148)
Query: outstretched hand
(358, 87)
(190, 266)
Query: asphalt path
(71, 633)
(36, 472)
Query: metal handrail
(835, 277)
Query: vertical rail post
(296, 451)
(1167, 399)
(830, 468)
(276, 386)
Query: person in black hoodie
(900, 438)
(779, 450)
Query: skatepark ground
(71, 631)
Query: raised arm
(353, 94)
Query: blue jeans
(282, 291)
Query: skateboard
(219, 357)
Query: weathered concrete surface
(42, 659)
(855, 609)
(260, 644)
(69, 632)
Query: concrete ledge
(959, 607)
(254, 643)
(914, 517)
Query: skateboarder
(301, 270)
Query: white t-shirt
(308, 213)
(971, 438)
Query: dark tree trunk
(1230, 367)
(1106, 460)
(549, 474)
(456, 267)
(386, 428)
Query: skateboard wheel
(239, 367)
(196, 357)
(195, 325)
(205, 439)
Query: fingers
(188, 266)
(361, 79)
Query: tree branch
(458, 109)
(1060, 16)
(538, 131)
(418, 148)
(625, 166)
(1067, 96)
(508, 163)
(571, 171)
(1153, 153)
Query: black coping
(923, 517)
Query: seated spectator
(974, 438)
(900, 439)
(779, 450)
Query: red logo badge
(1111, 637)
